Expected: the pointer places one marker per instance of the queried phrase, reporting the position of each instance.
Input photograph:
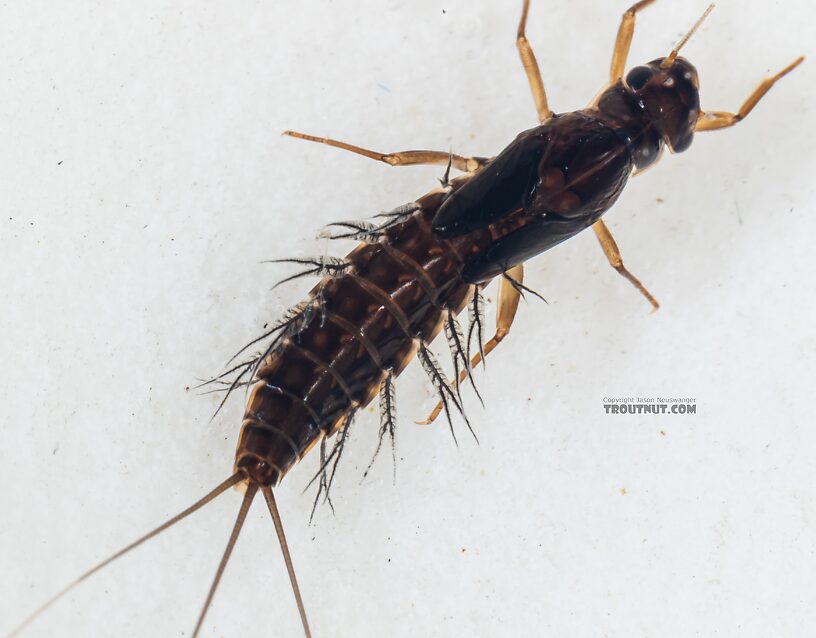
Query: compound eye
(638, 77)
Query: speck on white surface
(144, 180)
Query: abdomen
(364, 325)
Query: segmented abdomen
(363, 325)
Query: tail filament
(276, 519)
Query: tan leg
(401, 158)
(508, 305)
(712, 120)
(528, 60)
(612, 253)
(624, 40)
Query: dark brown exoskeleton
(373, 311)
(394, 295)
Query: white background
(144, 179)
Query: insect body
(416, 271)
(395, 293)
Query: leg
(624, 39)
(402, 158)
(508, 305)
(528, 60)
(721, 119)
(612, 253)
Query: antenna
(673, 55)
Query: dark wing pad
(498, 189)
